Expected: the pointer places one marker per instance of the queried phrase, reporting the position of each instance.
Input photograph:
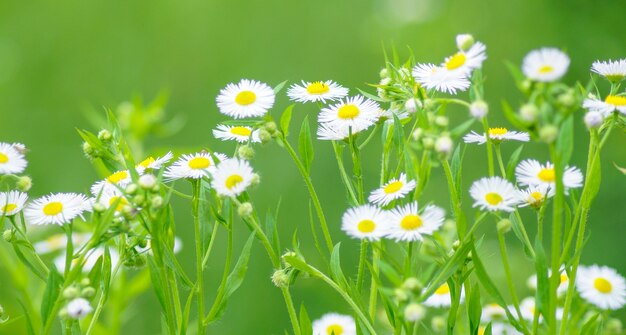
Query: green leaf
(474, 310)
(619, 168)
(513, 160)
(51, 294)
(26, 256)
(448, 269)
(285, 120)
(590, 326)
(335, 267)
(279, 87)
(305, 322)
(542, 294)
(565, 142)
(30, 328)
(512, 116)
(462, 128)
(305, 145)
(593, 182)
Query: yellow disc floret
(198, 163)
(233, 180)
(53, 208)
(546, 175)
(348, 112)
(366, 226)
(245, 98)
(241, 131)
(456, 61)
(493, 198)
(602, 285)
(393, 187)
(317, 87)
(411, 222)
(615, 100)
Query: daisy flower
(431, 76)
(364, 222)
(532, 173)
(231, 177)
(248, 98)
(527, 308)
(333, 132)
(613, 71)
(545, 64)
(466, 61)
(563, 281)
(194, 166)
(394, 189)
(58, 242)
(56, 208)
(11, 160)
(442, 297)
(151, 163)
(112, 197)
(78, 308)
(317, 91)
(494, 194)
(534, 196)
(333, 323)
(493, 313)
(241, 134)
(387, 115)
(496, 135)
(601, 286)
(610, 104)
(355, 112)
(407, 224)
(119, 179)
(12, 202)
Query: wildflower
(24, 183)
(439, 78)
(245, 209)
(548, 133)
(493, 194)
(529, 113)
(464, 41)
(241, 134)
(441, 297)
(78, 308)
(534, 196)
(479, 109)
(527, 308)
(394, 189)
(496, 135)
(280, 278)
(317, 91)
(11, 160)
(194, 166)
(602, 287)
(493, 313)
(412, 105)
(334, 324)
(610, 104)
(364, 222)
(56, 208)
(545, 64)
(414, 312)
(151, 163)
(444, 145)
(407, 224)
(466, 61)
(333, 133)
(119, 179)
(532, 173)
(112, 198)
(613, 71)
(387, 115)
(248, 98)
(356, 113)
(563, 281)
(593, 119)
(12, 202)
(231, 177)
(147, 181)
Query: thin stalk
(207, 254)
(461, 224)
(557, 221)
(357, 169)
(373, 283)
(500, 162)
(344, 175)
(488, 147)
(199, 254)
(527, 242)
(361, 269)
(509, 277)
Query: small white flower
(593, 119)
(414, 312)
(356, 113)
(111, 197)
(494, 194)
(153, 164)
(231, 177)
(364, 222)
(56, 208)
(601, 286)
(609, 105)
(496, 135)
(412, 105)
(532, 173)
(545, 64)
(248, 98)
(241, 134)
(331, 132)
(317, 91)
(479, 109)
(466, 61)
(194, 166)
(444, 145)
(442, 297)
(334, 324)
(527, 308)
(535, 195)
(613, 71)
(392, 190)
(115, 181)
(493, 313)
(464, 41)
(12, 202)
(439, 78)
(58, 242)
(407, 224)
(78, 308)
(563, 281)
(147, 181)
(11, 160)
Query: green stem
(357, 169)
(557, 221)
(500, 162)
(361, 270)
(199, 254)
(344, 174)
(461, 223)
(488, 147)
(373, 283)
(509, 277)
(527, 242)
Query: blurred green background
(61, 58)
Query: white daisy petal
(78, 308)
(241, 134)
(442, 297)
(532, 173)
(439, 78)
(12, 161)
(231, 177)
(58, 242)
(317, 91)
(356, 113)
(56, 208)
(12, 202)
(364, 222)
(119, 179)
(613, 71)
(333, 323)
(194, 166)
(494, 194)
(601, 286)
(407, 224)
(392, 190)
(466, 61)
(248, 98)
(151, 163)
(545, 65)
(496, 135)
(609, 105)
(535, 195)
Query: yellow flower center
(53, 208)
(563, 278)
(493, 198)
(317, 87)
(348, 112)
(456, 61)
(120, 201)
(334, 329)
(233, 180)
(546, 69)
(393, 187)
(538, 196)
(497, 131)
(245, 98)
(3, 158)
(366, 226)
(146, 162)
(411, 222)
(198, 163)
(8, 207)
(443, 289)
(117, 177)
(481, 330)
(241, 131)
(615, 100)
(546, 175)
(603, 285)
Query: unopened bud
(412, 105)
(156, 201)
(401, 294)
(8, 235)
(417, 134)
(71, 293)
(280, 278)
(593, 119)
(567, 99)
(245, 210)
(504, 226)
(88, 292)
(270, 127)
(255, 179)
(456, 244)
(412, 284)
(384, 73)
(85, 282)
(438, 324)
(529, 113)
(78, 308)
(441, 121)
(549, 133)
(104, 135)
(147, 181)
(414, 312)
(88, 149)
(24, 183)
(99, 207)
(264, 136)
(131, 189)
(479, 109)
(464, 41)
(428, 143)
(614, 327)
(139, 199)
(245, 152)
(444, 145)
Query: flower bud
(504, 226)
(529, 113)
(464, 41)
(147, 181)
(255, 179)
(99, 207)
(245, 210)
(85, 282)
(479, 109)
(71, 293)
(245, 152)
(549, 133)
(270, 127)
(78, 308)
(412, 284)
(428, 143)
(417, 134)
(138, 199)
(131, 189)
(456, 244)
(614, 327)
(441, 121)
(593, 119)
(104, 135)
(438, 324)
(567, 99)
(264, 136)
(8, 235)
(414, 312)
(280, 278)
(24, 183)
(401, 294)
(444, 145)
(88, 149)
(88, 292)
(384, 73)
(412, 105)
(156, 201)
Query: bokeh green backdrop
(60, 58)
